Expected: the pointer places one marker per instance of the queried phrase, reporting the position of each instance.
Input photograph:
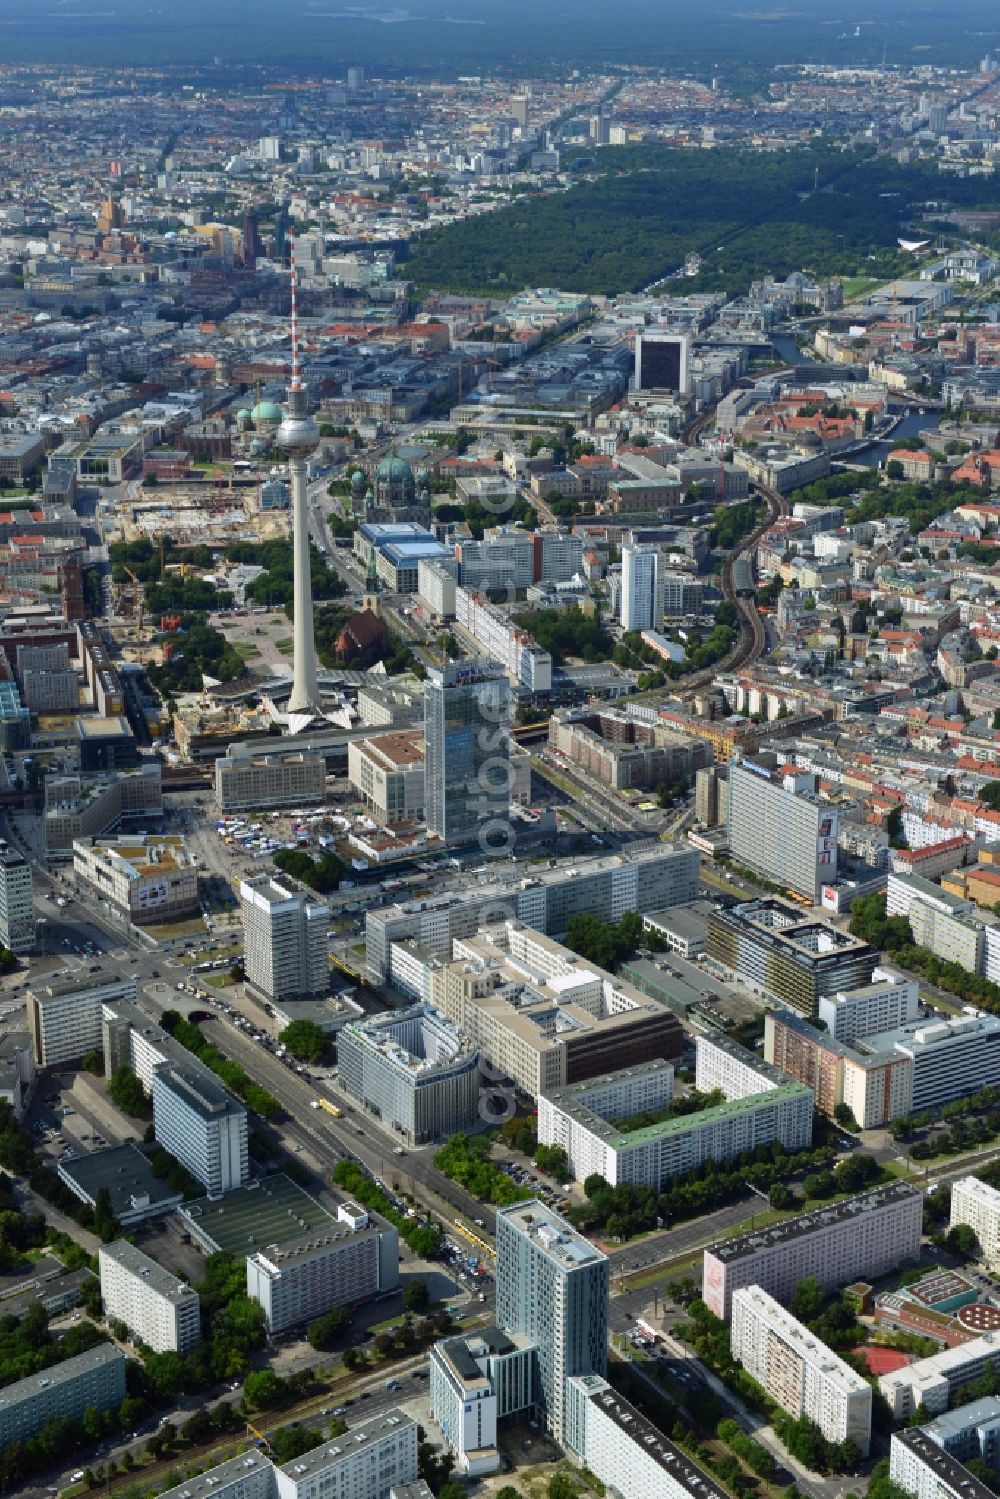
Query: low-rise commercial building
(203, 1125)
(977, 1205)
(127, 1176)
(932, 1382)
(798, 1371)
(63, 1392)
(342, 1265)
(249, 779)
(144, 878)
(157, 1308)
(861, 1237)
(414, 1070)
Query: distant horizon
(322, 38)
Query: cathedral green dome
(394, 470)
(267, 411)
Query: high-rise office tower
(552, 1286)
(467, 771)
(285, 931)
(298, 436)
(642, 597)
(17, 909)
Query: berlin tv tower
(298, 436)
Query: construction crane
(139, 597)
(263, 1440)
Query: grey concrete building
(414, 1070)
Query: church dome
(267, 411)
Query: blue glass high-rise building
(467, 770)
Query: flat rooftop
(153, 1275)
(952, 1476)
(803, 1224)
(552, 1234)
(198, 1089)
(226, 1473)
(328, 1454)
(637, 1429)
(126, 1173)
(56, 1374)
(275, 1212)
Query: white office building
(552, 1288)
(890, 1000)
(861, 1237)
(642, 592)
(64, 1015)
(342, 1265)
(933, 1382)
(623, 1448)
(476, 1380)
(605, 888)
(203, 1125)
(978, 1205)
(248, 778)
(157, 1308)
(780, 828)
(414, 1070)
(797, 1371)
(17, 907)
(285, 938)
(368, 1460)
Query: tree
(561, 1486)
(305, 1040)
(844, 1115)
(808, 1299)
(325, 1330)
(416, 1296)
(262, 1389)
(453, 1490)
(127, 1093)
(92, 1061)
(106, 1225)
(289, 1442)
(962, 1242)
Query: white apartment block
(890, 1000)
(720, 1063)
(862, 1237)
(932, 1382)
(800, 1373)
(365, 1463)
(926, 1471)
(285, 938)
(199, 1122)
(249, 1476)
(504, 558)
(674, 1147)
(630, 1455)
(63, 1392)
(17, 907)
(157, 1308)
(978, 1205)
(521, 657)
(345, 1264)
(248, 779)
(64, 1016)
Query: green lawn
(286, 645)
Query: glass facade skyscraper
(467, 770)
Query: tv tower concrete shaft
(298, 436)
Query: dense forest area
(748, 214)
